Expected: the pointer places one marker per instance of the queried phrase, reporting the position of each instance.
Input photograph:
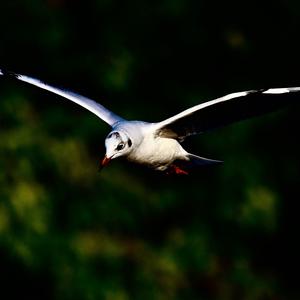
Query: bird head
(117, 144)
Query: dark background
(69, 232)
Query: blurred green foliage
(69, 232)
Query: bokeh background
(70, 232)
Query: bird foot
(176, 170)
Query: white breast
(157, 152)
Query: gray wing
(226, 110)
(96, 108)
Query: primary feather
(224, 111)
(99, 110)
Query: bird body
(158, 145)
(156, 152)
(147, 148)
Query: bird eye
(120, 146)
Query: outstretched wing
(225, 110)
(96, 108)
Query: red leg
(176, 170)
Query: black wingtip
(7, 73)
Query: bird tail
(195, 161)
(192, 161)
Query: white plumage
(158, 145)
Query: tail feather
(195, 160)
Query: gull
(158, 145)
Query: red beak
(105, 161)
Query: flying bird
(158, 145)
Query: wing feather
(225, 110)
(91, 105)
